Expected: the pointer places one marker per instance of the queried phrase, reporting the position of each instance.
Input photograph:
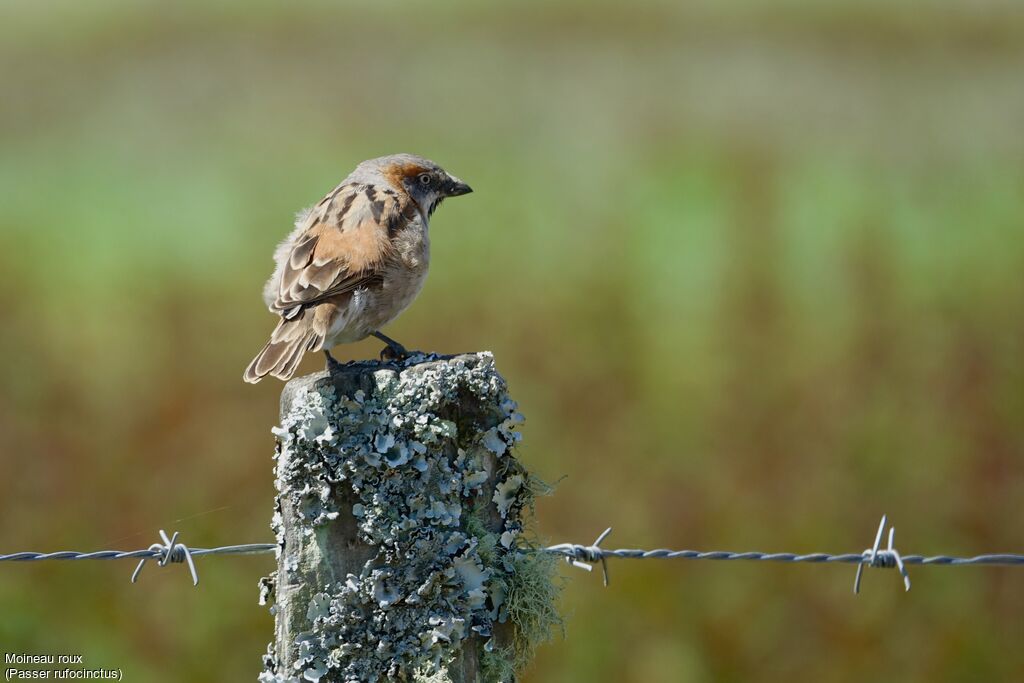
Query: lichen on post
(402, 524)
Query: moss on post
(400, 517)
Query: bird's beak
(456, 187)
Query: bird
(353, 262)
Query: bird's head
(424, 181)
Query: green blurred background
(754, 271)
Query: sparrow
(353, 262)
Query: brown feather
(289, 341)
(343, 252)
(396, 174)
(302, 252)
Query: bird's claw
(394, 353)
(333, 366)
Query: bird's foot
(394, 355)
(333, 366)
(393, 351)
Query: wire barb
(585, 556)
(170, 551)
(887, 558)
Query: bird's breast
(404, 279)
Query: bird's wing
(343, 246)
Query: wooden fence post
(400, 516)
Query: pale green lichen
(417, 465)
(532, 597)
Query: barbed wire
(578, 555)
(585, 557)
(170, 551)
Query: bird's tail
(281, 356)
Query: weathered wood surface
(399, 507)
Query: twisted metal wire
(170, 551)
(585, 556)
(578, 555)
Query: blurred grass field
(755, 272)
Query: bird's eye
(425, 179)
